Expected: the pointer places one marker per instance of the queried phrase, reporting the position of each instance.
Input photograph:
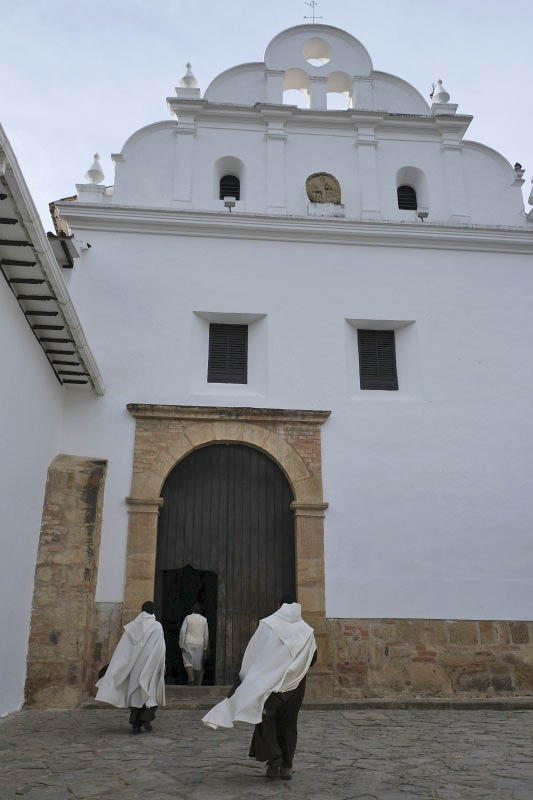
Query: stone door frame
(165, 434)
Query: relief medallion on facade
(321, 187)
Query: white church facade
(288, 350)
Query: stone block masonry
(63, 610)
(430, 658)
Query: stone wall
(430, 658)
(107, 630)
(63, 607)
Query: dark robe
(138, 716)
(275, 737)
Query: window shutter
(377, 360)
(228, 353)
(230, 186)
(407, 198)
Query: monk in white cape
(135, 676)
(271, 688)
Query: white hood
(287, 622)
(276, 660)
(137, 628)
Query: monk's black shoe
(285, 773)
(272, 771)
(147, 726)
(135, 728)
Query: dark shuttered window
(228, 353)
(407, 198)
(377, 360)
(230, 186)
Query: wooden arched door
(225, 537)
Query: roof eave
(29, 218)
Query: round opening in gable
(317, 52)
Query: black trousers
(274, 738)
(138, 716)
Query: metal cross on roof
(312, 5)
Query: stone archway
(166, 434)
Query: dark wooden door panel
(227, 511)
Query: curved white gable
(142, 176)
(490, 181)
(381, 128)
(396, 96)
(347, 54)
(345, 60)
(243, 84)
(141, 133)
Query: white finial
(94, 174)
(188, 81)
(440, 95)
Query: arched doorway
(225, 537)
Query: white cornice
(238, 113)
(227, 414)
(128, 219)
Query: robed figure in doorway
(194, 643)
(271, 688)
(135, 676)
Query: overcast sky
(80, 76)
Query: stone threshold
(424, 704)
(366, 704)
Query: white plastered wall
(145, 176)
(429, 487)
(31, 415)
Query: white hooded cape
(136, 673)
(276, 660)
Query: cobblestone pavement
(363, 755)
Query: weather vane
(312, 5)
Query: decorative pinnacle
(440, 95)
(189, 81)
(94, 174)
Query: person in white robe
(135, 676)
(271, 688)
(194, 643)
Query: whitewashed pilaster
(363, 93)
(455, 183)
(452, 129)
(274, 85)
(319, 97)
(366, 144)
(184, 153)
(275, 138)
